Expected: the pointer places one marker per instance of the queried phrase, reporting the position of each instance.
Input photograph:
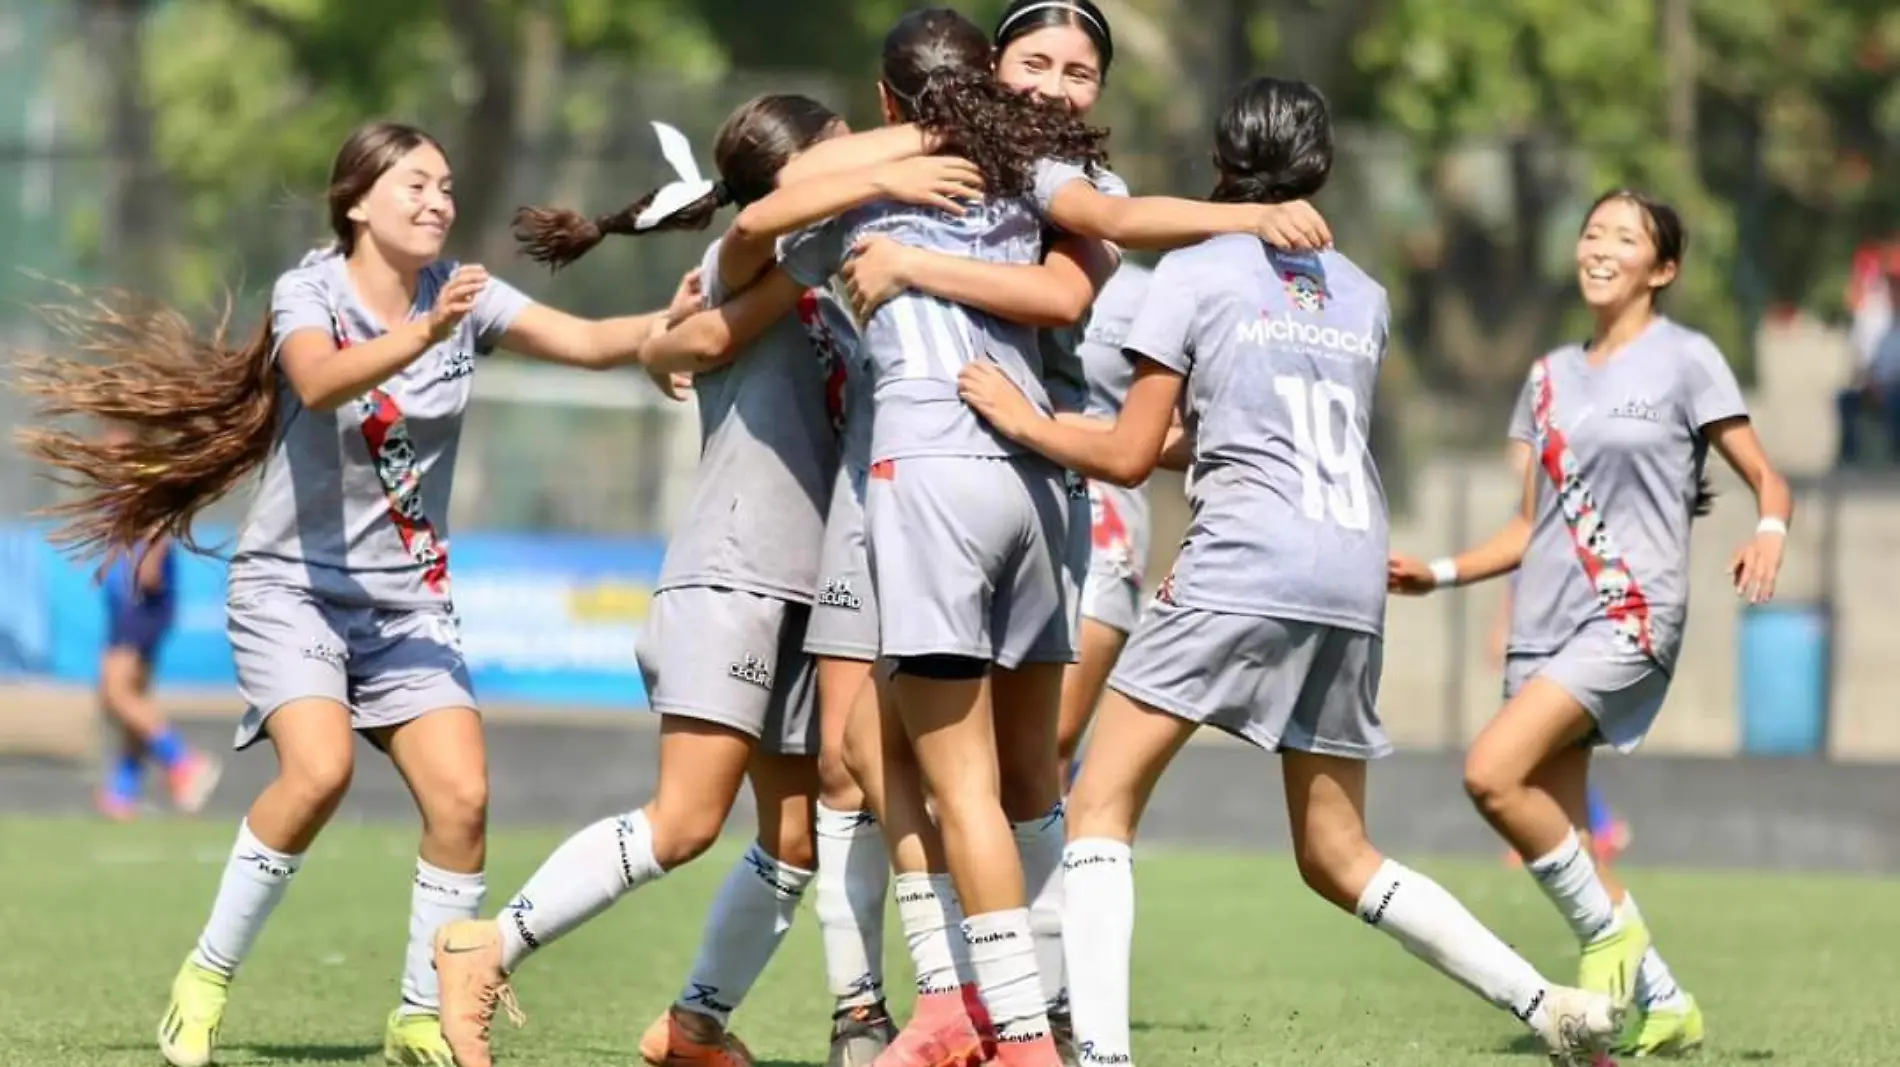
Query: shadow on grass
(256, 1053)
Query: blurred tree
(252, 97)
(1771, 123)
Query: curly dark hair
(937, 68)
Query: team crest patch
(1306, 291)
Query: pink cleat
(193, 781)
(943, 1031)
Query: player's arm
(942, 182)
(1126, 453)
(1504, 551)
(554, 336)
(1056, 292)
(151, 565)
(1078, 207)
(1757, 564)
(854, 151)
(708, 340)
(1177, 453)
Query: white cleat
(1579, 1027)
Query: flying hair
(202, 409)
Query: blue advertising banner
(545, 618)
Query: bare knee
(317, 781)
(837, 783)
(680, 837)
(1335, 865)
(792, 843)
(1490, 786)
(1094, 810)
(864, 754)
(1029, 787)
(456, 809)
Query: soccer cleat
(117, 806)
(1610, 963)
(193, 780)
(414, 1039)
(188, 1031)
(1578, 1026)
(468, 966)
(1609, 842)
(670, 1043)
(1668, 1031)
(1062, 1029)
(943, 1032)
(859, 1034)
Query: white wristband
(1444, 572)
(1771, 525)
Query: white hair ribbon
(689, 189)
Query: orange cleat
(698, 1042)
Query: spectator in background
(1873, 294)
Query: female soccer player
(723, 649)
(1279, 354)
(141, 601)
(1621, 428)
(351, 398)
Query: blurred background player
(141, 601)
(1621, 428)
(1278, 355)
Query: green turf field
(1235, 963)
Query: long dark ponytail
(752, 145)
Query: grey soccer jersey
(1628, 442)
(769, 424)
(354, 503)
(916, 342)
(1109, 370)
(1065, 368)
(1281, 352)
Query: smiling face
(1617, 258)
(1055, 62)
(411, 207)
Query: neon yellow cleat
(1610, 963)
(415, 1040)
(1669, 1031)
(188, 1032)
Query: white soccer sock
(440, 897)
(854, 876)
(1003, 957)
(928, 907)
(255, 879)
(1098, 932)
(1433, 926)
(578, 881)
(749, 918)
(1656, 988)
(1570, 880)
(1039, 843)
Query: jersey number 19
(1332, 461)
